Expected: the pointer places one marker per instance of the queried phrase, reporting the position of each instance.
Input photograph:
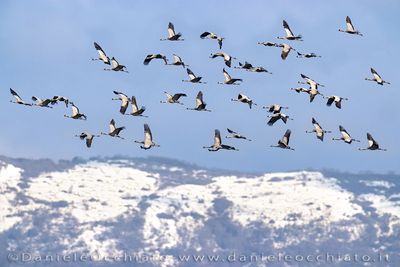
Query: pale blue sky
(46, 48)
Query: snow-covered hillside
(166, 209)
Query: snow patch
(10, 177)
(94, 191)
(176, 212)
(284, 199)
(377, 183)
(384, 206)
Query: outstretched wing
(270, 44)
(284, 117)
(147, 60)
(226, 75)
(82, 136)
(217, 138)
(122, 95)
(124, 101)
(371, 141)
(134, 104)
(199, 99)
(177, 96)
(218, 54)
(16, 95)
(112, 126)
(46, 102)
(285, 52)
(330, 101)
(148, 138)
(114, 63)
(204, 35)
(271, 108)
(312, 96)
(338, 103)
(124, 107)
(98, 48)
(344, 133)
(89, 141)
(230, 131)
(75, 110)
(286, 137)
(286, 27)
(102, 55)
(164, 58)
(349, 25)
(220, 43)
(191, 74)
(304, 76)
(274, 119)
(316, 124)
(171, 30)
(246, 65)
(376, 75)
(228, 147)
(60, 98)
(177, 59)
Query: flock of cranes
(200, 104)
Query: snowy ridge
(116, 206)
(94, 191)
(307, 196)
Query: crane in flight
(289, 34)
(18, 99)
(376, 78)
(284, 142)
(88, 137)
(172, 35)
(147, 143)
(350, 28)
(346, 137)
(200, 104)
(218, 143)
(318, 130)
(372, 144)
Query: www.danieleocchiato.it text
(25, 257)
